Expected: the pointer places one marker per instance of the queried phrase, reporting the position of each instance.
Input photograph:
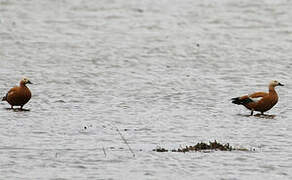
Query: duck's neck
(272, 89)
(22, 84)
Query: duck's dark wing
(243, 100)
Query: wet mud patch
(17, 109)
(264, 116)
(202, 146)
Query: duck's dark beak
(28, 82)
(280, 84)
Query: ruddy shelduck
(259, 101)
(18, 95)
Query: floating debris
(60, 101)
(203, 147)
(159, 149)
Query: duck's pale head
(275, 83)
(25, 81)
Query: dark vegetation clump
(159, 149)
(203, 147)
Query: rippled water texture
(162, 72)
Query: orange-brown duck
(259, 101)
(18, 95)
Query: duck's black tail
(4, 98)
(240, 101)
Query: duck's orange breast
(18, 96)
(265, 103)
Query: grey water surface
(161, 72)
